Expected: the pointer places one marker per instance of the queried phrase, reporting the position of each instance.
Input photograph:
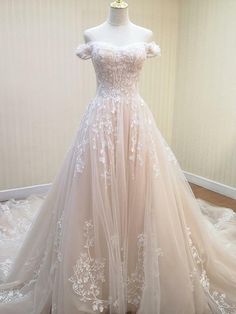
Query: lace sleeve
(84, 51)
(152, 49)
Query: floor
(213, 197)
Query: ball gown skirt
(120, 229)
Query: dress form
(118, 29)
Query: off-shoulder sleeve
(152, 49)
(84, 51)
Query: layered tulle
(120, 229)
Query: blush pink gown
(120, 229)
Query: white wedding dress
(120, 229)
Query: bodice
(117, 68)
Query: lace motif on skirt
(21, 291)
(219, 299)
(88, 275)
(100, 126)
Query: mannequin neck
(118, 17)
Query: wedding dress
(120, 229)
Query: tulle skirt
(119, 230)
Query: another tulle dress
(120, 229)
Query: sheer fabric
(120, 229)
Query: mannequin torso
(118, 30)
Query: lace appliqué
(5, 266)
(219, 299)
(16, 218)
(117, 72)
(84, 51)
(54, 308)
(58, 237)
(104, 138)
(88, 274)
(219, 217)
(82, 140)
(152, 49)
(226, 217)
(9, 295)
(135, 282)
(170, 155)
(152, 147)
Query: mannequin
(118, 29)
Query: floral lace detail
(14, 227)
(54, 308)
(136, 142)
(20, 291)
(100, 133)
(104, 138)
(219, 217)
(226, 217)
(15, 294)
(152, 148)
(219, 299)
(170, 155)
(16, 217)
(88, 273)
(11, 295)
(81, 141)
(5, 266)
(85, 50)
(58, 237)
(153, 49)
(135, 282)
(117, 72)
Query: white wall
(204, 124)
(44, 87)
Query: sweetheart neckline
(86, 49)
(117, 46)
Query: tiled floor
(213, 197)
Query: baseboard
(21, 193)
(211, 185)
(24, 192)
